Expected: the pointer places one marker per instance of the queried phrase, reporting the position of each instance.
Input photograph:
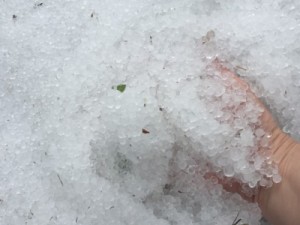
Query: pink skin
(280, 204)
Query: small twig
(242, 68)
(236, 220)
(62, 184)
(239, 220)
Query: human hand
(280, 204)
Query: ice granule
(76, 151)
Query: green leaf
(121, 87)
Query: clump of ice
(220, 121)
(76, 151)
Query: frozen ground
(108, 111)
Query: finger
(227, 74)
(233, 186)
(267, 122)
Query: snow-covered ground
(108, 110)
